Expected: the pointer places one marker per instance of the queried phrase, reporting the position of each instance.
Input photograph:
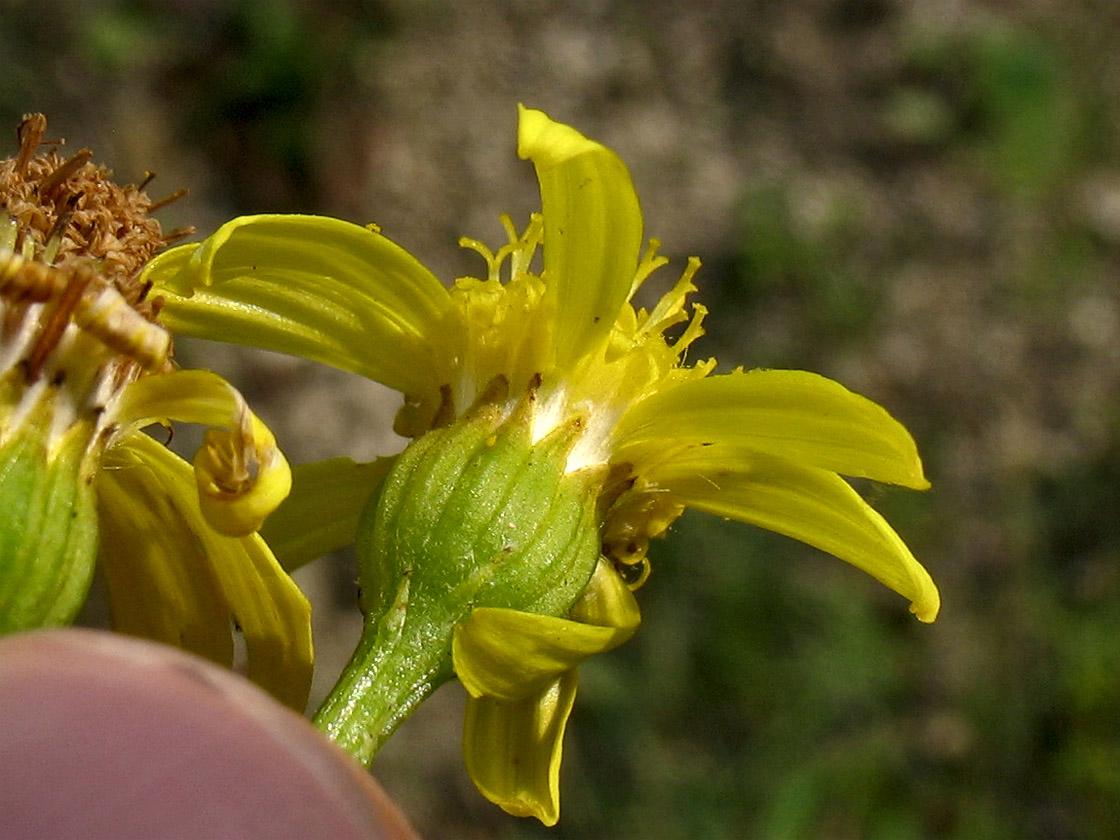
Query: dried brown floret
(67, 208)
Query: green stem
(395, 668)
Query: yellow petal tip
(236, 501)
(928, 607)
(547, 812)
(546, 142)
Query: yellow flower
(559, 358)
(84, 366)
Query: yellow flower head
(84, 365)
(548, 347)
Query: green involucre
(471, 515)
(476, 515)
(48, 527)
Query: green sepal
(48, 524)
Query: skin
(112, 737)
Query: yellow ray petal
(310, 286)
(153, 563)
(512, 750)
(791, 414)
(607, 601)
(509, 655)
(592, 231)
(321, 513)
(241, 474)
(236, 579)
(811, 505)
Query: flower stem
(393, 670)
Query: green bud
(48, 522)
(472, 515)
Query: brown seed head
(72, 245)
(69, 209)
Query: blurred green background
(921, 200)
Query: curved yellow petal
(607, 601)
(592, 231)
(811, 505)
(241, 478)
(512, 750)
(509, 655)
(241, 474)
(311, 286)
(321, 513)
(191, 396)
(791, 414)
(174, 578)
(147, 559)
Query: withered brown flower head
(85, 368)
(69, 208)
(72, 245)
